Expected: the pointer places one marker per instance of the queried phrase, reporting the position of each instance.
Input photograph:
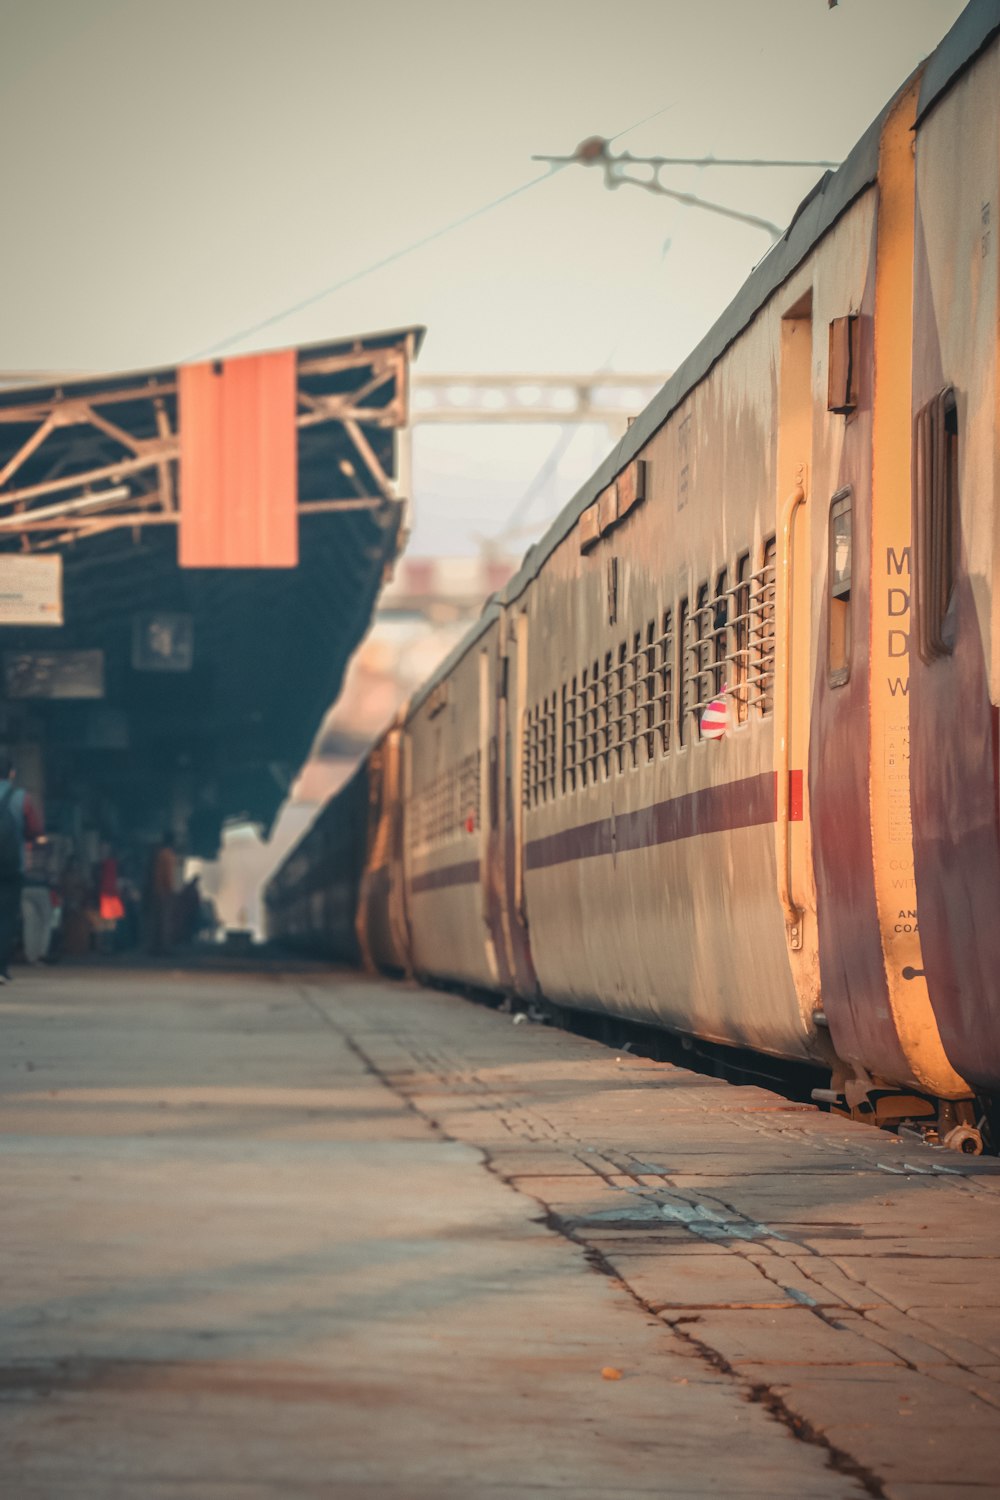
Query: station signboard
(162, 642)
(31, 591)
(54, 674)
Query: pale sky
(175, 173)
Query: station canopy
(188, 557)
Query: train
(722, 757)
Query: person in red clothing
(20, 821)
(109, 901)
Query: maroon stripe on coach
(433, 880)
(716, 809)
(582, 842)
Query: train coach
(722, 757)
(312, 900)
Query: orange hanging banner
(238, 463)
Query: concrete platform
(309, 1235)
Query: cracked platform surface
(316, 1235)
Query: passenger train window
(569, 736)
(594, 722)
(538, 774)
(612, 716)
(762, 631)
(683, 646)
(739, 668)
(580, 707)
(935, 524)
(720, 630)
(699, 670)
(635, 699)
(648, 695)
(607, 705)
(840, 566)
(620, 708)
(665, 683)
(532, 757)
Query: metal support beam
(606, 397)
(371, 393)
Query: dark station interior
(177, 698)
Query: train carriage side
(650, 850)
(945, 586)
(280, 899)
(506, 668)
(382, 926)
(738, 888)
(874, 994)
(445, 792)
(311, 900)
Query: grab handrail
(783, 713)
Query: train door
(506, 914)
(399, 924)
(874, 990)
(488, 822)
(366, 921)
(945, 595)
(493, 707)
(381, 925)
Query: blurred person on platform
(109, 902)
(162, 885)
(20, 821)
(38, 913)
(209, 924)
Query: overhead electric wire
(378, 265)
(691, 200)
(395, 255)
(550, 462)
(594, 152)
(680, 161)
(644, 121)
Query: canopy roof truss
(95, 454)
(92, 467)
